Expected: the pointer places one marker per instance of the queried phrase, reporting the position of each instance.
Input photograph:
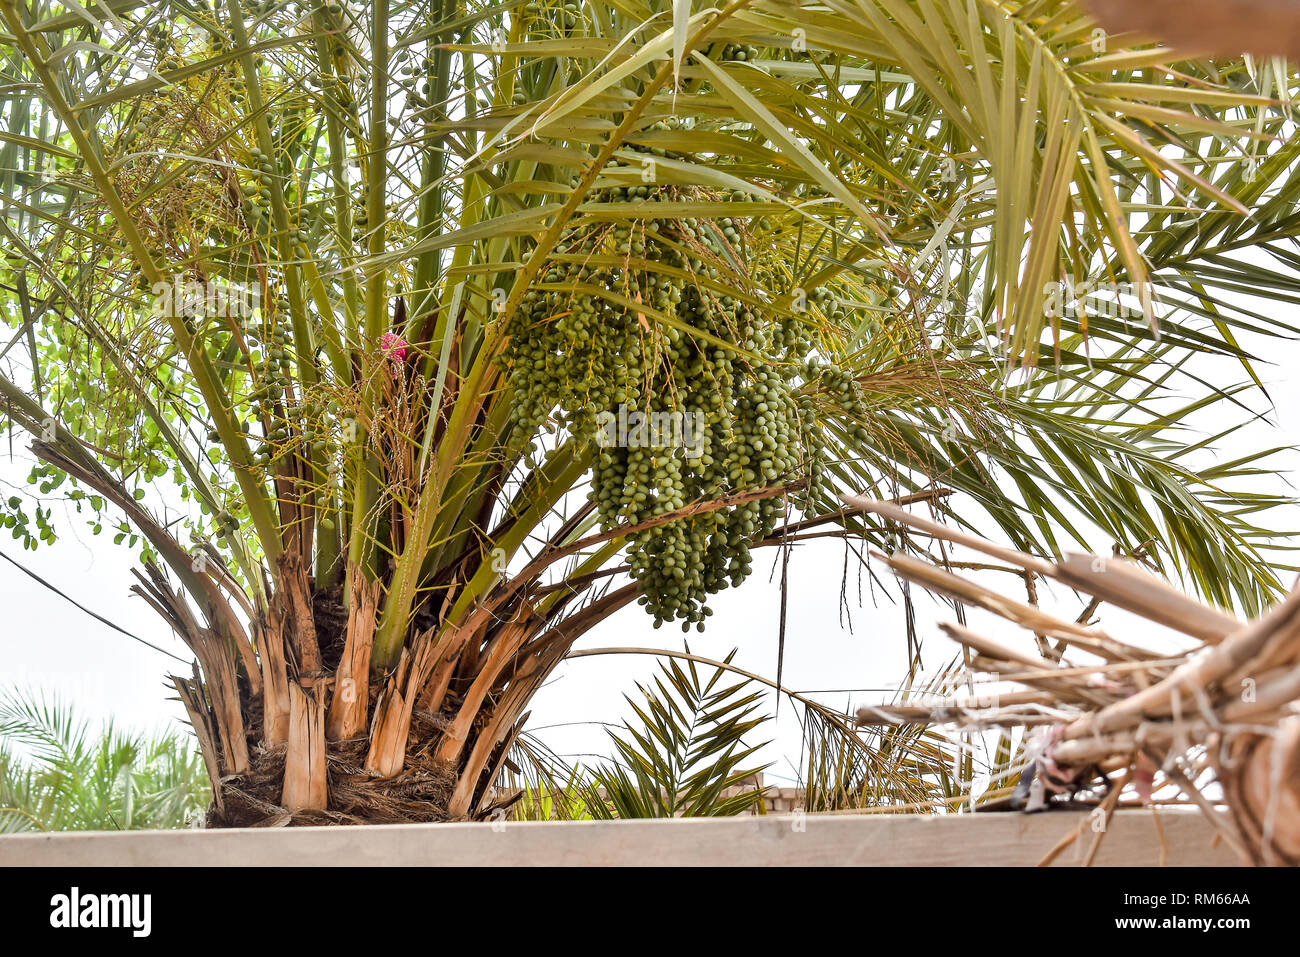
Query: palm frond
(56, 773)
(687, 755)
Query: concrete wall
(1133, 838)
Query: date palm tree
(459, 326)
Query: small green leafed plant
(57, 774)
(689, 756)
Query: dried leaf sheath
(306, 787)
(350, 703)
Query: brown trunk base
(409, 757)
(420, 793)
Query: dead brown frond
(1225, 712)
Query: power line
(98, 617)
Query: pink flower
(393, 347)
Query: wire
(95, 615)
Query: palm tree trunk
(339, 744)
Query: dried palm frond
(1225, 710)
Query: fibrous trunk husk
(217, 658)
(305, 784)
(275, 682)
(351, 700)
(191, 696)
(392, 723)
(293, 605)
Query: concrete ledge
(855, 840)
